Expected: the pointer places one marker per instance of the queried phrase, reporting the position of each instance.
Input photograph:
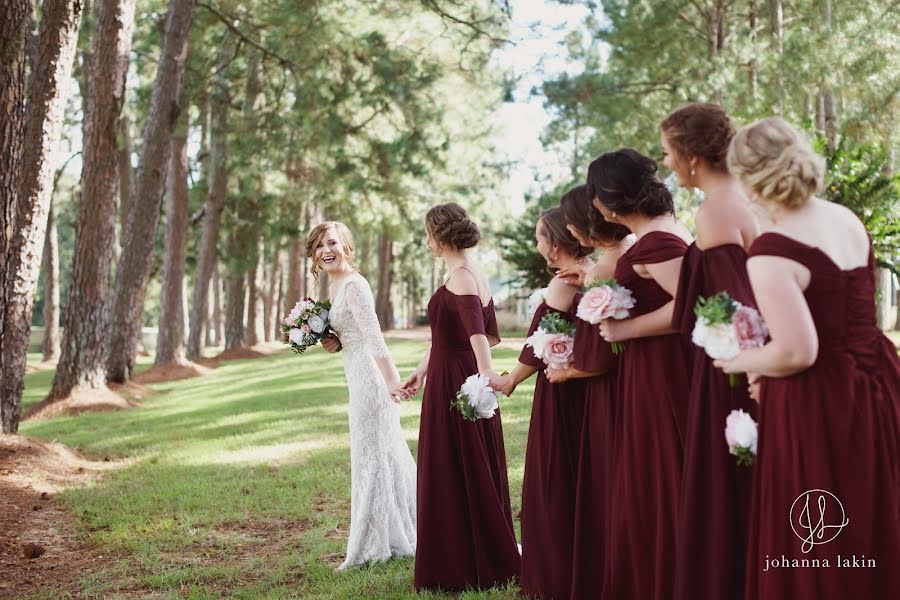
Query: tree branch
(475, 26)
(228, 21)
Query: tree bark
(218, 317)
(125, 175)
(215, 202)
(256, 291)
(270, 308)
(143, 214)
(170, 344)
(753, 75)
(295, 277)
(234, 311)
(51, 290)
(383, 306)
(13, 41)
(85, 338)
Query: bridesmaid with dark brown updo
(554, 434)
(596, 364)
(715, 494)
(653, 378)
(464, 530)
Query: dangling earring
(614, 215)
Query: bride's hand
(331, 343)
(397, 392)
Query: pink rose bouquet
(605, 299)
(553, 341)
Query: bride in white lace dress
(383, 473)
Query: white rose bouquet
(476, 399)
(306, 324)
(741, 435)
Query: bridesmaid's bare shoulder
(559, 294)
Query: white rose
(324, 314)
(296, 336)
(316, 323)
(721, 342)
(741, 431)
(480, 395)
(535, 300)
(701, 330)
(538, 342)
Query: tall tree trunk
(218, 317)
(170, 344)
(776, 30)
(256, 298)
(143, 215)
(51, 289)
(383, 306)
(85, 340)
(125, 174)
(270, 308)
(753, 75)
(13, 40)
(234, 311)
(276, 318)
(294, 291)
(215, 201)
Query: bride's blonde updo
(316, 235)
(776, 162)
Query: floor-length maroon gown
(653, 387)
(595, 462)
(465, 535)
(715, 490)
(548, 487)
(833, 427)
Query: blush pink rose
(558, 351)
(595, 304)
(750, 327)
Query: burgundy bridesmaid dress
(465, 535)
(595, 460)
(653, 387)
(715, 490)
(548, 487)
(833, 427)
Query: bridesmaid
(551, 455)
(715, 493)
(830, 386)
(464, 529)
(595, 362)
(653, 378)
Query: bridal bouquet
(741, 435)
(553, 341)
(475, 399)
(724, 327)
(307, 324)
(605, 299)
(535, 300)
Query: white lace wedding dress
(383, 472)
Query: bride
(383, 473)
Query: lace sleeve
(362, 306)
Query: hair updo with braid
(701, 130)
(449, 224)
(625, 182)
(776, 162)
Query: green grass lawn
(240, 482)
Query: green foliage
(553, 322)
(859, 178)
(715, 309)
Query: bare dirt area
(40, 550)
(114, 397)
(172, 372)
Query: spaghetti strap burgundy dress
(465, 531)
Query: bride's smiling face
(330, 254)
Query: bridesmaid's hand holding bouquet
(476, 399)
(554, 341)
(724, 327)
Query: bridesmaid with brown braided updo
(653, 378)
(824, 512)
(464, 522)
(594, 361)
(554, 434)
(712, 523)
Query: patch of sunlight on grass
(290, 452)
